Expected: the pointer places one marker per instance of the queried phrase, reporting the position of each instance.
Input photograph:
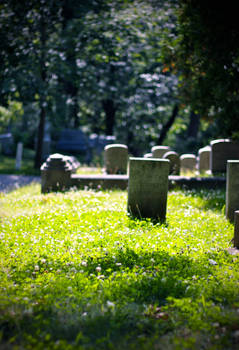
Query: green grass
(8, 164)
(77, 272)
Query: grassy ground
(77, 273)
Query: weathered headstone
(232, 188)
(221, 151)
(159, 151)
(173, 157)
(116, 159)
(56, 173)
(236, 229)
(148, 188)
(19, 155)
(204, 159)
(188, 162)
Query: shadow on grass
(114, 313)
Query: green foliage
(78, 273)
(11, 114)
(204, 54)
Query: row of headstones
(147, 191)
(212, 158)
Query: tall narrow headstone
(232, 188)
(19, 155)
(56, 173)
(173, 157)
(236, 229)
(222, 150)
(159, 151)
(148, 188)
(116, 159)
(204, 159)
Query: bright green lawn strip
(76, 270)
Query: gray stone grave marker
(236, 229)
(148, 188)
(19, 155)
(188, 162)
(204, 159)
(56, 173)
(232, 188)
(221, 151)
(159, 151)
(116, 159)
(173, 157)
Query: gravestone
(204, 159)
(148, 188)
(19, 155)
(236, 229)
(75, 164)
(222, 150)
(159, 151)
(56, 173)
(188, 162)
(232, 188)
(116, 159)
(174, 166)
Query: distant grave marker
(56, 173)
(232, 188)
(204, 159)
(222, 150)
(148, 188)
(173, 157)
(159, 151)
(116, 159)
(19, 155)
(188, 162)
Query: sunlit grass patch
(77, 272)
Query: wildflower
(36, 268)
(84, 263)
(98, 268)
(110, 304)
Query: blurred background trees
(147, 72)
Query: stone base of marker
(232, 189)
(148, 188)
(56, 174)
(116, 159)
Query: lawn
(76, 272)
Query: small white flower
(110, 303)
(43, 261)
(36, 268)
(84, 263)
(98, 268)
(212, 262)
(118, 264)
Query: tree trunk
(193, 126)
(168, 125)
(40, 136)
(42, 93)
(110, 110)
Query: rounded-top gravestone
(204, 159)
(188, 162)
(174, 166)
(222, 150)
(159, 151)
(116, 159)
